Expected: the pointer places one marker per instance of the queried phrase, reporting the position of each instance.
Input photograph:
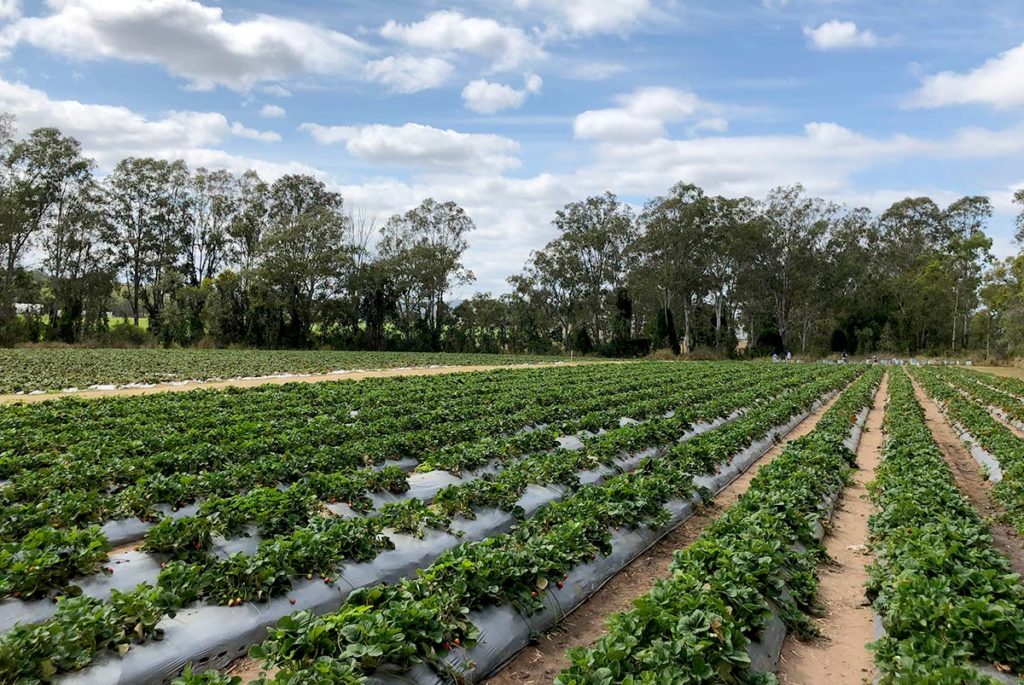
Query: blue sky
(515, 107)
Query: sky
(513, 108)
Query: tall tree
(304, 252)
(674, 251)
(967, 247)
(591, 255)
(148, 210)
(211, 212)
(249, 220)
(794, 230)
(43, 174)
(910, 232)
(426, 245)
(1018, 198)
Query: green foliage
(947, 598)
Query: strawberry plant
(946, 596)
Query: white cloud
(595, 71)
(422, 146)
(10, 9)
(189, 39)
(840, 35)
(714, 125)
(489, 98)
(407, 74)
(823, 157)
(110, 133)
(642, 115)
(998, 82)
(273, 112)
(242, 131)
(276, 90)
(592, 16)
(506, 46)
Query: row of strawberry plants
(994, 437)
(27, 370)
(1008, 384)
(559, 467)
(44, 497)
(422, 619)
(153, 435)
(33, 567)
(261, 421)
(26, 648)
(282, 513)
(980, 386)
(753, 563)
(946, 596)
(276, 513)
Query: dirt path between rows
(281, 380)
(840, 656)
(1007, 424)
(542, 662)
(972, 484)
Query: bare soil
(840, 656)
(248, 669)
(278, 380)
(968, 477)
(542, 662)
(1009, 426)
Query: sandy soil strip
(1009, 426)
(968, 477)
(540, 663)
(278, 380)
(840, 656)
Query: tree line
(209, 257)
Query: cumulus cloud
(10, 9)
(998, 82)
(713, 124)
(242, 131)
(839, 35)
(407, 74)
(641, 115)
(824, 156)
(111, 133)
(506, 46)
(272, 112)
(489, 98)
(191, 40)
(421, 146)
(592, 16)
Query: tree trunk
(673, 336)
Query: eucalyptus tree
(148, 212)
(966, 249)
(789, 263)
(591, 257)
(42, 176)
(424, 247)
(211, 212)
(674, 252)
(304, 253)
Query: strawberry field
(426, 529)
(54, 370)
